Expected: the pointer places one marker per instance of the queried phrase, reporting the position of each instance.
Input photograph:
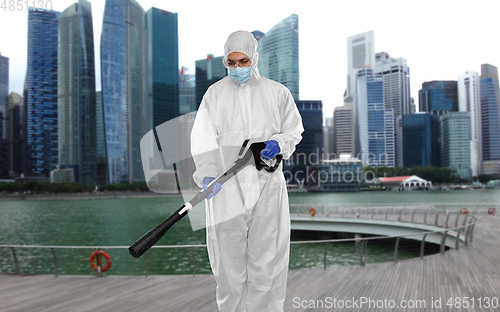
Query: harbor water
(120, 222)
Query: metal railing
(441, 219)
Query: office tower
(40, 114)
(279, 54)
(469, 100)
(163, 63)
(101, 158)
(258, 34)
(309, 151)
(328, 138)
(413, 107)
(490, 119)
(124, 88)
(416, 140)
(4, 117)
(438, 97)
(16, 144)
(208, 71)
(187, 92)
(360, 55)
(342, 174)
(374, 142)
(342, 129)
(455, 147)
(76, 92)
(396, 75)
(397, 97)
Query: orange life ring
(492, 210)
(312, 211)
(464, 210)
(93, 263)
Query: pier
(468, 276)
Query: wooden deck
(471, 272)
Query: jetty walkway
(467, 279)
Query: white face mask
(241, 74)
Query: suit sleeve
(204, 146)
(291, 125)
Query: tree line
(430, 173)
(68, 187)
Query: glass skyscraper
(438, 97)
(416, 140)
(16, 147)
(163, 61)
(396, 75)
(279, 54)
(4, 117)
(101, 159)
(124, 87)
(76, 89)
(360, 55)
(490, 112)
(309, 151)
(374, 143)
(455, 146)
(208, 72)
(187, 93)
(40, 112)
(469, 100)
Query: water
(119, 222)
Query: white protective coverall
(248, 221)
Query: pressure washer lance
(249, 154)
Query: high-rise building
(360, 55)
(76, 92)
(16, 144)
(309, 151)
(101, 158)
(258, 34)
(396, 75)
(40, 111)
(490, 119)
(397, 97)
(413, 107)
(328, 138)
(208, 71)
(374, 123)
(4, 117)
(455, 146)
(187, 92)
(342, 129)
(279, 54)
(438, 97)
(469, 100)
(163, 62)
(416, 140)
(124, 88)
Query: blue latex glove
(215, 190)
(271, 150)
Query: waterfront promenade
(459, 275)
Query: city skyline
(431, 54)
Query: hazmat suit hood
(244, 42)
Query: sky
(440, 39)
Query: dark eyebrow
(243, 59)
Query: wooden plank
(469, 272)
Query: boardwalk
(471, 272)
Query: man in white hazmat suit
(248, 221)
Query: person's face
(238, 59)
